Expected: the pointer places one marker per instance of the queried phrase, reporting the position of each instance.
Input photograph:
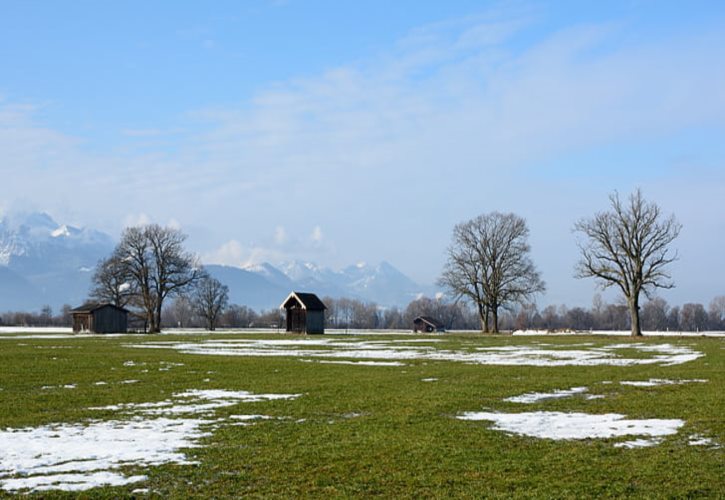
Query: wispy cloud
(457, 118)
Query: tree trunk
(156, 325)
(634, 316)
(494, 314)
(483, 316)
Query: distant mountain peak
(60, 232)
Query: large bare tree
(628, 247)
(112, 282)
(489, 265)
(153, 260)
(209, 299)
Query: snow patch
(535, 397)
(76, 457)
(559, 425)
(61, 231)
(698, 440)
(358, 363)
(639, 443)
(401, 350)
(653, 382)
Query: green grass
(405, 442)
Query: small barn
(95, 317)
(305, 313)
(427, 324)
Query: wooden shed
(95, 317)
(305, 313)
(427, 324)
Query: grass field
(347, 416)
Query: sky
(339, 132)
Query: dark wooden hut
(305, 313)
(97, 317)
(427, 324)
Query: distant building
(94, 317)
(427, 324)
(305, 313)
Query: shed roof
(89, 307)
(308, 301)
(428, 320)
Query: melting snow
(535, 397)
(75, 457)
(659, 381)
(359, 363)
(80, 456)
(639, 443)
(401, 350)
(559, 425)
(698, 440)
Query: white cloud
(316, 235)
(280, 235)
(457, 118)
(234, 253)
(140, 219)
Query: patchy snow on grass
(698, 440)
(639, 443)
(76, 457)
(653, 382)
(194, 401)
(617, 333)
(559, 425)
(403, 350)
(355, 363)
(535, 397)
(431, 379)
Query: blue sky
(340, 132)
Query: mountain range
(44, 262)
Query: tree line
(354, 314)
(488, 273)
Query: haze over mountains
(44, 262)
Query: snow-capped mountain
(44, 262)
(263, 286)
(382, 283)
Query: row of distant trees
(345, 313)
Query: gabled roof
(89, 307)
(308, 301)
(428, 320)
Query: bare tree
(489, 265)
(209, 299)
(693, 317)
(113, 283)
(180, 313)
(654, 314)
(716, 312)
(628, 247)
(154, 261)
